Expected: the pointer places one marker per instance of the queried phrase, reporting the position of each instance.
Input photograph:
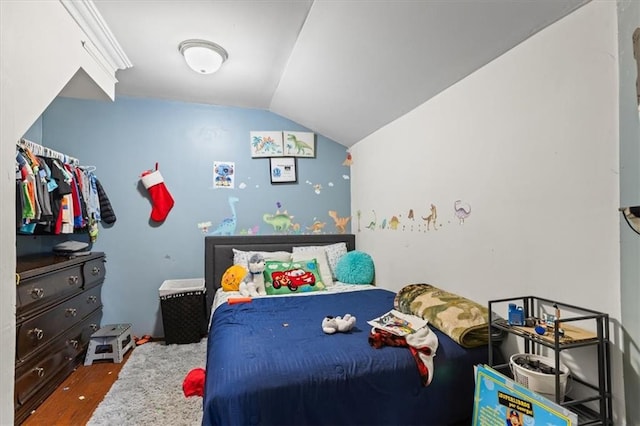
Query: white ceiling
(342, 68)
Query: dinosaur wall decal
(279, 221)
(340, 222)
(372, 224)
(431, 219)
(228, 225)
(462, 210)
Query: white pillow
(319, 254)
(242, 257)
(334, 253)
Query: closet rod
(43, 151)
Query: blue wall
(126, 137)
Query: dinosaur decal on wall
(461, 211)
(316, 227)
(340, 222)
(281, 222)
(228, 225)
(431, 219)
(372, 224)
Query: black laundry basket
(184, 310)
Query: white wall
(530, 141)
(628, 21)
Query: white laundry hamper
(539, 382)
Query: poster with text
(499, 400)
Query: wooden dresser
(58, 307)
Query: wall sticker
(228, 225)
(431, 219)
(223, 174)
(348, 161)
(339, 222)
(462, 210)
(415, 220)
(281, 222)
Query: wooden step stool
(110, 342)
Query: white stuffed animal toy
(253, 283)
(343, 324)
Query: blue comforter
(269, 363)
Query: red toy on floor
(193, 384)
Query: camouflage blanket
(461, 319)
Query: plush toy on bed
(253, 282)
(343, 324)
(232, 277)
(355, 267)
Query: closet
(55, 195)
(58, 294)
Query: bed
(270, 363)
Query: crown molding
(86, 15)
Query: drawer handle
(36, 333)
(39, 371)
(95, 270)
(70, 312)
(37, 293)
(73, 343)
(73, 279)
(93, 327)
(92, 299)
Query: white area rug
(149, 388)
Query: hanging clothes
(76, 211)
(90, 194)
(42, 187)
(26, 187)
(62, 188)
(107, 213)
(55, 195)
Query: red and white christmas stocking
(160, 197)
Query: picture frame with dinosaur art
(283, 170)
(299, 144)
(266, 144)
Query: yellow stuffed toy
(232, 277)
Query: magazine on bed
(398, 323)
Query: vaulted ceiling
(342, 68)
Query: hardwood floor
(73, 402)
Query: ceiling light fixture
(202, 56)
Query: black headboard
(218, 253)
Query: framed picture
(266, 144)
(299, 144)
(283, 170)
(223, 174)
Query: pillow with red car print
(284, 277)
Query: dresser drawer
(36, 332)
(93, 272)
(65, 352)
(39, 291)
